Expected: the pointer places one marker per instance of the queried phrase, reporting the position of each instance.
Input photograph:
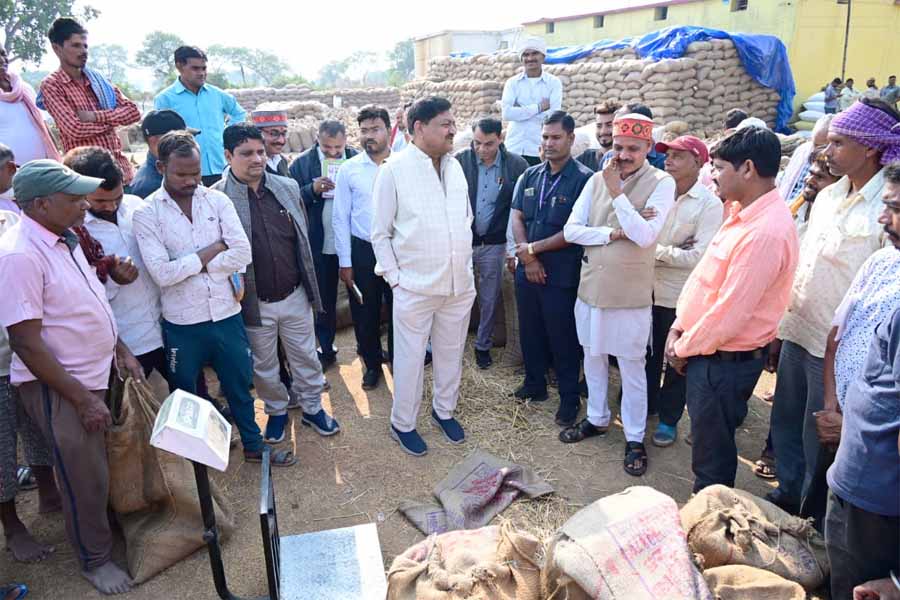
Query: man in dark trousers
(492, 172)
(317, 191)
(549, 267)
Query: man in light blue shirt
(202, 106)
(351, 220)
(527, 98)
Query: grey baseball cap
(43, 177)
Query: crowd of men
(692, 268)
(840, 94)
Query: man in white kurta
(613, 310)
(422, 238)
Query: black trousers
(669, 400)
(549, 338)
(326, 323)
(861, 545)
(717, 395)
(367, 316)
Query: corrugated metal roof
(614, 6)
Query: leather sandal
(581, 431)
(635, 453)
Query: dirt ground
(360, 475)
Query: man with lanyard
(528, 98)
(156, 124)
(548, 271)
(317, 191)
(615, 293)
(273, 124)
(64, 338)
(492, 172)
(352, 222)
(842, 233)
(730, 306)
(281, 283)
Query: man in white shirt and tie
(422, 238)
(352, 224)
(528, 97)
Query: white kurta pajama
(422, 239)
(621, 332)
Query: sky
(307, 34)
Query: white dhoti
(623, 333)
(416, 317)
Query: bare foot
(25, 548)
(108, 578)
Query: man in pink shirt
(63, 333)
(729, 309)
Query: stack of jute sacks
(251, 98)
(388, 97)
(697, 88)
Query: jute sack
(491, 563)
(739, 582)
(153, 492)
(512, 353)
(627, 546)
(732, 527)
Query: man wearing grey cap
(274, 127)
(64, 338)
(156, 123)
(529, 97)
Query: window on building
(598, 21)
(661, 13)
(737, 5)
(550, 27)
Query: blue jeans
(224, 344)
(717, 395)
(798, 394)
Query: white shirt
(353, 209)
(787, 179)
(18, 130)
(842, 232)
(327, 209)
(273, 161)
(136, 306)
(873, 296)
(169, 243)
(847, 98)
(521, 100)
(7, 220)
(422, 225)
(400, 142)
(697, 214)
(621, 332)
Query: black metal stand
(211, 532)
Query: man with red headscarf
(615, 295)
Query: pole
(846, 40)
(211, 532)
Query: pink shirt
(42, 278)
(737, 294)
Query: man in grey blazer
(280, 292)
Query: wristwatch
(531, 248)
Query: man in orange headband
(613, 310)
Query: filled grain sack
(628, 546)
(153, 492)
(740, 582)
(490, 563)
(726, 526)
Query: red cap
(686, 142)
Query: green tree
(334, 73)
(25, 23)
(262, 65)
(157, 54)
(111, 60)
(402, 60)
(290, 79)
(34, 78)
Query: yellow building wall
(818, 43)
(425, 49)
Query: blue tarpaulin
(764, 57)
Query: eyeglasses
(276, 134)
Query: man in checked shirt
(86, 107)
